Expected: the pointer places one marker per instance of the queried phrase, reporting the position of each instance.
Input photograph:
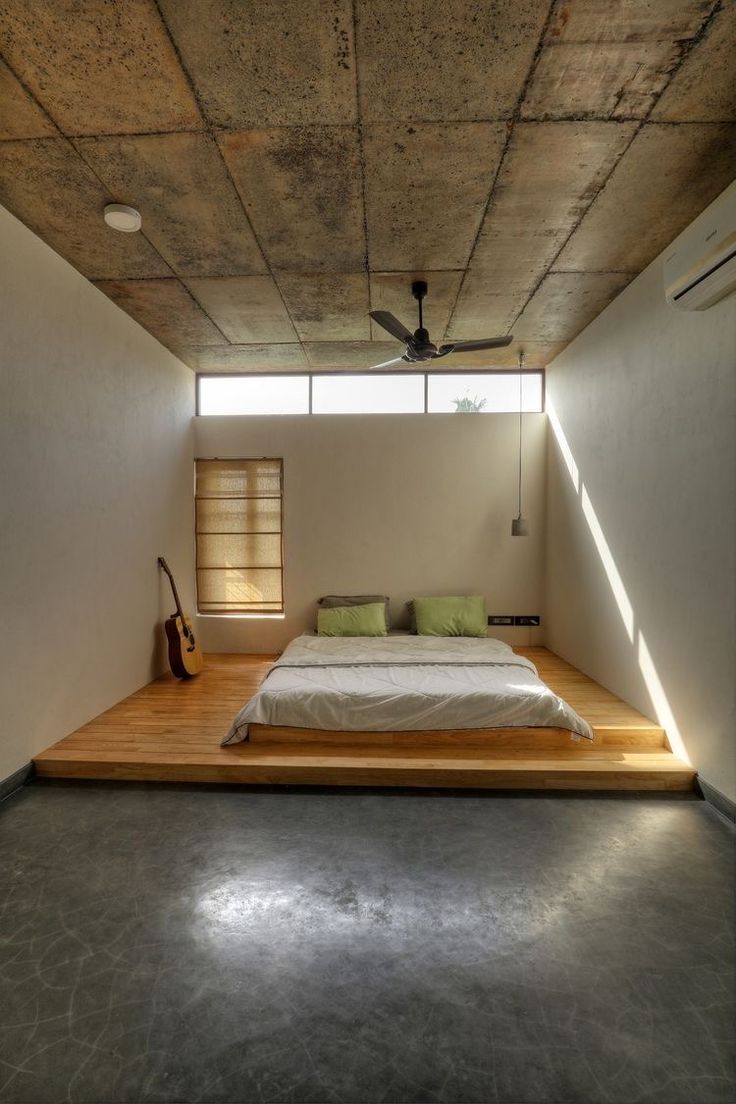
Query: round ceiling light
(122, 218)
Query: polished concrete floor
(182, 944)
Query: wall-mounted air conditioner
(700, 266)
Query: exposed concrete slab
(245, 308)
(565, 303)
(245, 358)
(45, 184)
(627, 20)
(704, 87)
(537, 355)
(601, 80)
(548, 178)
(267, 65)
(302, 189)
(667, 177)
(191, 210)
(20, 115)
(99, 67)
(391, 291)
(352, 354)
(164, 308)
(330, 307)
(480, 313)
(460, 59)
(426, 190)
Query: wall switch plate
(533, 619)
(500, 619)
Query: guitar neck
(163, 564)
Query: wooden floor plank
(171, 731)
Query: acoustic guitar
(185, 657)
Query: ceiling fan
(418, 346)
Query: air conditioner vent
(701, 266)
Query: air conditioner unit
(700, 266)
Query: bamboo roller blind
(239, 513)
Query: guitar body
(185, 656)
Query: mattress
(402, 683)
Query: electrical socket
(508, 619)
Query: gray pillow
(332, 601)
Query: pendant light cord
(521, 365)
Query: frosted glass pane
(399, 394)
(487, 394)
(230, 590)
(254, 395)
(228, 515)
(236, 478)
(239, 550)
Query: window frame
(243, 612)
(426, 373)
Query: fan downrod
(421, 336)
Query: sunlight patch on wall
(609, 566)
(563, 443)
(660, 703)
(665, 716)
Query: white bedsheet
(402, 683)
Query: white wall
(641, 554)
(395, 504)
(95, 482)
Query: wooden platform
(170, 731)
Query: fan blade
(387, 363)
(467, 346)
(394, 327)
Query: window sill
(244, 616)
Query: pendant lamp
(519, 525)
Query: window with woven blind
(239, 513)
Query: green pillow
(368, 620)
(451, 616)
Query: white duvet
(402, 683)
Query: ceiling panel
(565, 302)
(45, 184)
(537, 354)
(20, 115)
(667, 177)
(704, 87)
(479, 313)
(191, 210)
(351, 354)
(549, 176)
(246, 358)
(437, 62)
(331, 307)
(98, 67)
(296, 164)
(426, 190)
(244, 308)
(164, 308)
(293, 65)
(599, 80)
(627, 20)
(391, 291)
(302, 190)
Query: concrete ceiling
(297, 162)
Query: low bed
(403, 684)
